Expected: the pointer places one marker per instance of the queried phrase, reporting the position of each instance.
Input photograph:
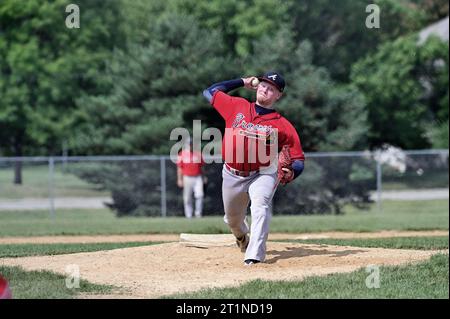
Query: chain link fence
(146, 185)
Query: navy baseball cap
(275, 79)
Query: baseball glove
(285, 172)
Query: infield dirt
(158, 270)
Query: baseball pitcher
(249, 175)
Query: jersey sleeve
(293, 140)
(225, 104)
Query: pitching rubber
(207, 240)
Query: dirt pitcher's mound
(153, 271)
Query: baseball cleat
(242, 242)
(249, 262)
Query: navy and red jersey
(190, 162)
(246, 132)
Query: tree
(240, 22)
(437, 133)
(155, 86)
(434, 9)
(406, 86)
(338, 32)
(139, 17)
(312, 101)
(44, 66)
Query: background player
(245, 180)
(190, 177)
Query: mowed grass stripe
(23, 250)
(35, 177)
(404, 215)
(47, 285)
(427, 279)
(420, 243)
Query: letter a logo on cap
(275, 79)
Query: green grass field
(428, 279)
(424, 280)
(425, 243)
(36, 181)
(46, 285)
(23, 250)
(410, 180)
(396, 215)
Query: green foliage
(327, 186)
(406, 87)
(44, 66)
(438, 135)
(316, 105)
(339, 35)
(240, 22)
(154, 87)
(134, 186)
(139, 17)
(434, 10)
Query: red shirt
(190, 162)
(248, 135)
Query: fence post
(64, 155)
(379, 177)
(163, 187)
(51, 169)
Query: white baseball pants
(193, 185)
(237, 192)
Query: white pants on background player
(193, 185)
(237, 192)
